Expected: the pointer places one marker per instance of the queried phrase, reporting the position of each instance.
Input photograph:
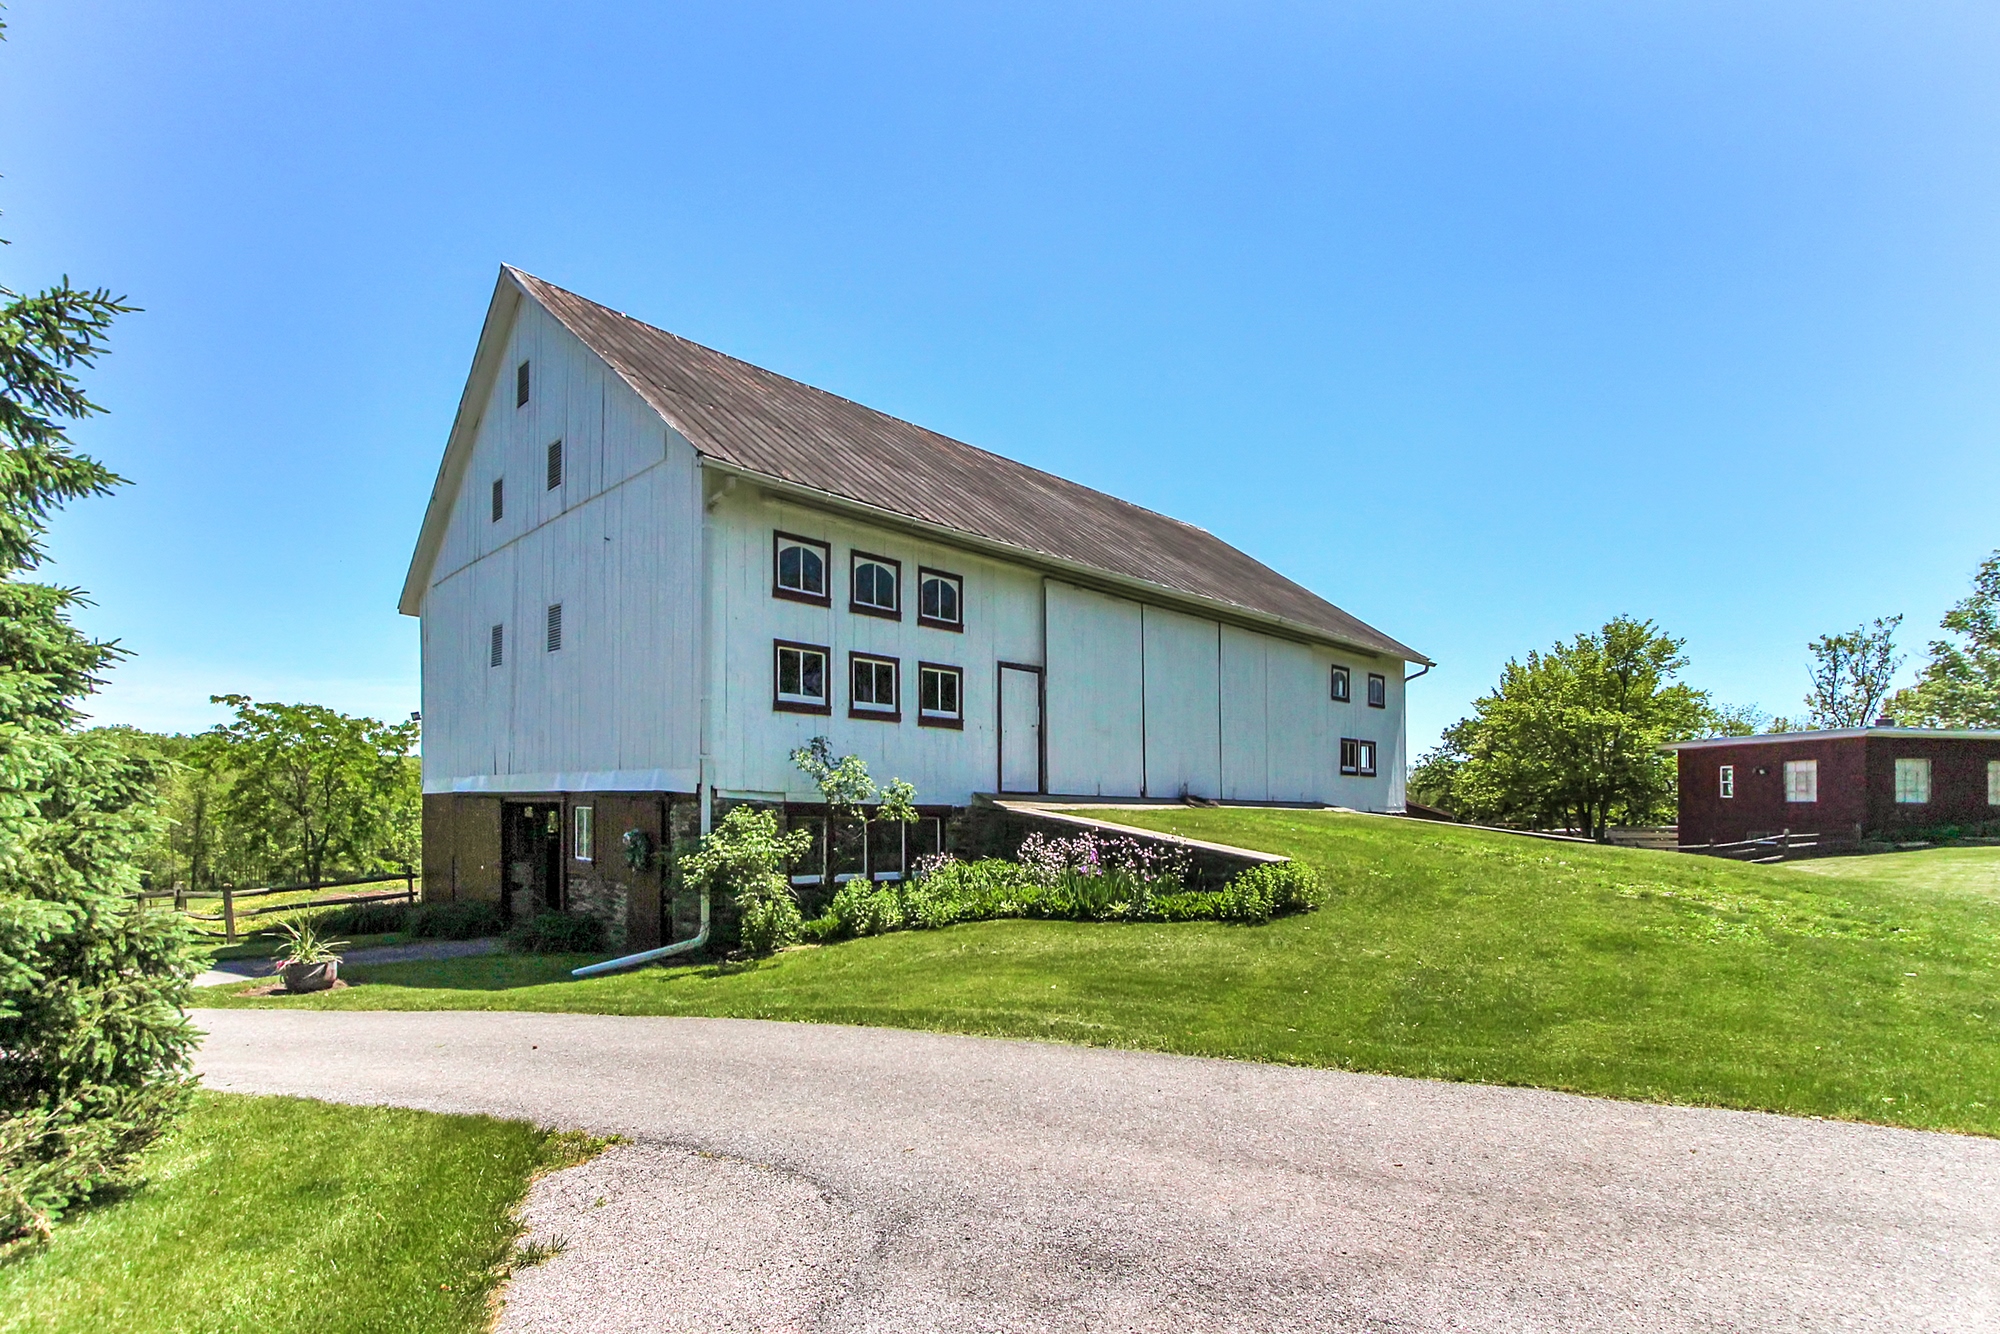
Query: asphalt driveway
(787, 1176)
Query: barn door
(1020, 728)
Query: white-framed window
(940, 695)
(1378, 691)
(1802, 780)
(584, 843)
(1357, 757)
(496, 646)
(1343, 685)
(1993, 782)
(798, 568)
(555, 627)
(940, 599)
(874, 684)
(1913, 782)
(875, 586)
(800, 680)
(1728, 780)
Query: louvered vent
(520, 384)
(555, 465)
(496, 646)
(555, 626)
(499, 500)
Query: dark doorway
(531, 847)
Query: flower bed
(1087, 878)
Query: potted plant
(308, 961)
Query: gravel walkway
(795, 1177)
(236, 970)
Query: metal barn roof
(760, 422)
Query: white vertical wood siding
(750, 742)
(616, 543)
(1246, 744)
(1183, 705)
(1095, 727)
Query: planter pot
(300, 977)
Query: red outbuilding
(1844, 785)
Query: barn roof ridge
(762, 422)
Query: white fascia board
(500, 312)
(1840, 734)
(582, 780)
(1089, 576)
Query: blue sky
(1486, 321)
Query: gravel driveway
(807, 1177)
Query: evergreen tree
(94, 1046)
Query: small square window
(940, 695)
(585, 841)
(555, 465)
(1913, 782)
(521, 384)
(1802, 781)
(798, 569)
(940, 600)
(499, 499)
(1378, 691)
(1342, 685)
(800, 678)
(1357, 757)
(875, 586)
(874, 688)
(555, 627)
(1728, 780)
(496, 644)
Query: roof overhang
(1840, 734)
(1087, 576)
(500, 312)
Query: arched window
(940, 600)
(875, 589)
(800, 569)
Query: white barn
(648, 571)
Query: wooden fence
(1771, 848)
(229, 896)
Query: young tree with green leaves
(1851, 673)
(853, 800)
(314, 790)
(1960, 685)
(94, 1047)
(1571, 738)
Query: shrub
(866, 908)
(745, 857)
(366, 919)
(557, 933)
(1286, 887)
(468, 920)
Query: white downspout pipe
(694, 942)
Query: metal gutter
(689, 945)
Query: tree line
(295, 794)
(1572, 737)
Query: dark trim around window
(956, 723)
(1343, 684)
(894, 613)
(1378, 691)
(874, 713)
(935, 623)
(824, 598)
(1352, 749)
(826, 668)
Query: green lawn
(1865, 988)
(278, 1214)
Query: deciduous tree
(1960, 685)
(1851, 673)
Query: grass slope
(279, 1214)
(1863, 989)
